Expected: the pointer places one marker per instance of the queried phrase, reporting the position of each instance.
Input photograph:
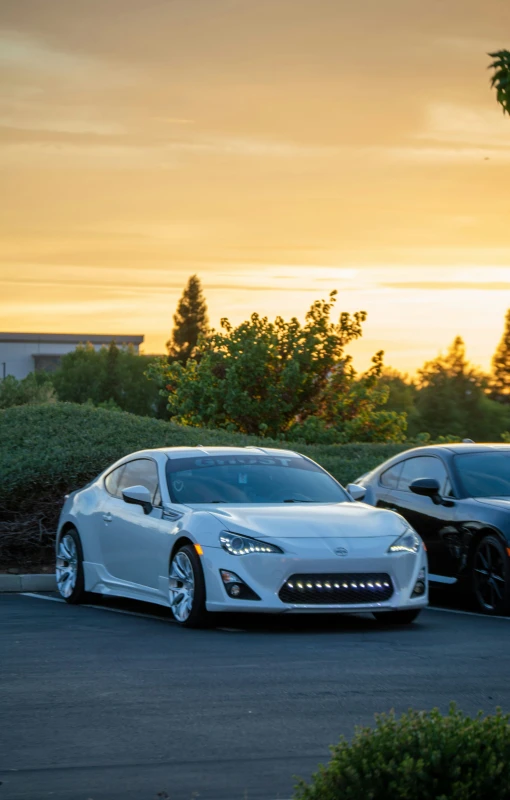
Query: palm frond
(501, 78)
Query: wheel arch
(67, 526)
(480, 534)
(180, 542)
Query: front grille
(337, 588)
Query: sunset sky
(277, 148)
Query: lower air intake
(337, 589)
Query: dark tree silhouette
(500, 383)
(190, 321)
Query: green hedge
(423, 756)
(61, 446)
(48, 450)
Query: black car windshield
(250, 479)
(484, 474)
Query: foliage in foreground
(501, 78)
(422, 755)
(49, 450)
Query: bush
(50, 450)
(35, 388)
(423, 756)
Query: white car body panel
(130, 554)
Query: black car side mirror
(426, 487)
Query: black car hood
(495, 502)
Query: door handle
(107, 517)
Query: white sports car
(237, 529)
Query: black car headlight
(238, 545)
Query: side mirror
(426, 487)
(357, 492)
(138, 496)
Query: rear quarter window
(390, 477)
(111, 482)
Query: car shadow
(258, 622)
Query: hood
(496, 502)
(344, 520)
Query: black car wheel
(404, 617)
(491, 576)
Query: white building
(21, 353)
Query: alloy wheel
(181, 586)
(490, 576)
(67, 566)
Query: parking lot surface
(113, 706)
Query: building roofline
(73, 338)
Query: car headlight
(238, 545)
(408, 542)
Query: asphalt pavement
(111, 706)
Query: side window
(141, 472)
(422, 467)
(389, 477)
(111, 481)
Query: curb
(45, 582)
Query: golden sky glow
(278, 148)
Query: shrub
(423, 756)
(52, 449)
(35, 388)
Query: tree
(80, 376)
(262, 377)
(112, 375)
(349, 409)
(35, 389)
(500, 383)
(401, 390)
(452, 399)
(501, 78)
(191, 322)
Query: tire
(187, 588)
(405, 617)
(490, 576)
(70, 576)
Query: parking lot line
(42, 597)
(101, 608)
(467, 613)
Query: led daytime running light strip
(351, 585)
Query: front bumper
(267, 573)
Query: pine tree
(500, 383)
(190, 321)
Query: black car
(457, 497)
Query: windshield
(484, 474)
(250, 479)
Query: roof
(471, 447)
(73, 338)
(451, 447)
(180, 452)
